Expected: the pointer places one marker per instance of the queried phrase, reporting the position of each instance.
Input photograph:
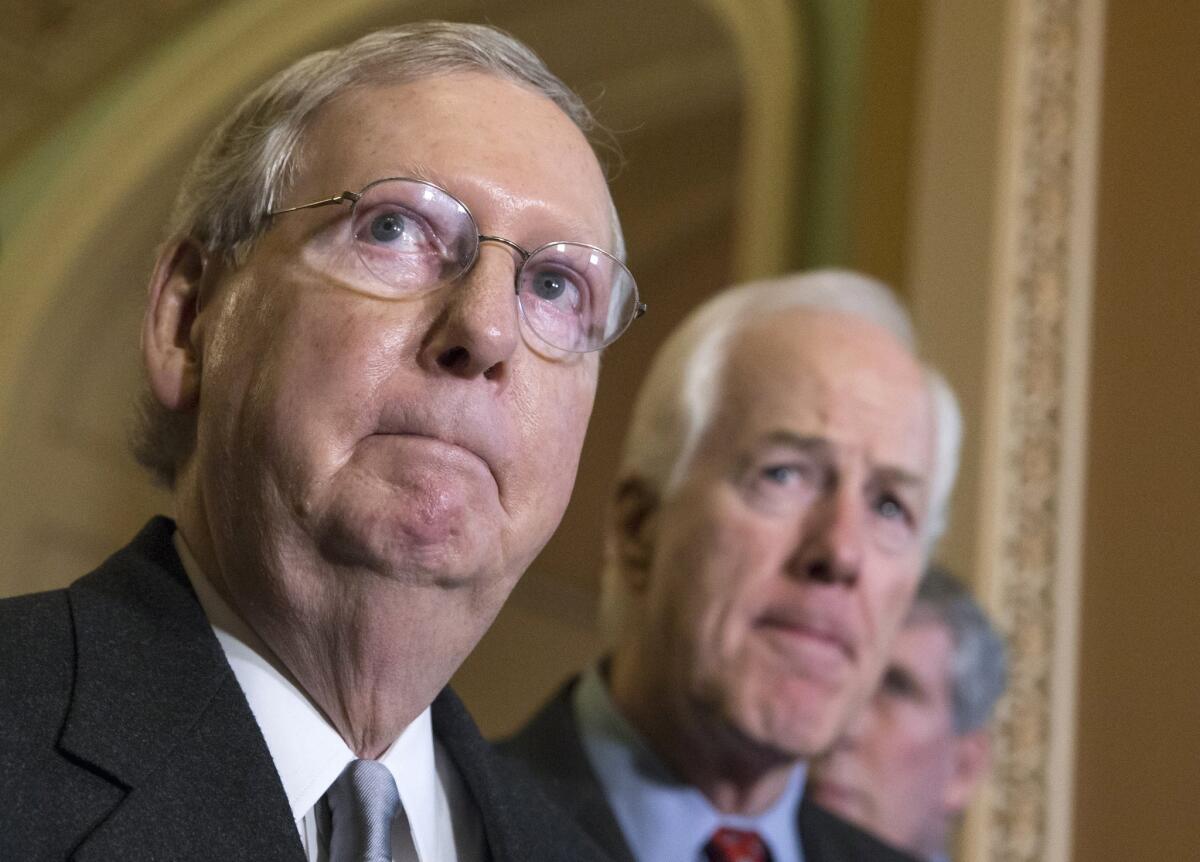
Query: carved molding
(1037, 420)
(767, 37)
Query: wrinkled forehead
(834, 376)
(475, 133)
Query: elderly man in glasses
(371, 351)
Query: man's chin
(843, 798)
(399, 550)
(796, 727)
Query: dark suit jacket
(124, 734)
(551, 747)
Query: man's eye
(899, 684)
(387, 227)
(550, 286)
(555, 286)
(783, 487)
(397, 229)
(780, 474)
(892, 509)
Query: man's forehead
(821, 341)
(925, 642)
(830, 377)
(923, 617)
(435, 126)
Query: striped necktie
(362, 804)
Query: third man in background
(906, 768)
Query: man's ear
(170, 348)
(972, 757)
(634, 521)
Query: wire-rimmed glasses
(414, 236)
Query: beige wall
(1138, 756)
(952, 193)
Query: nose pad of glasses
(519, 255)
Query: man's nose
(832, 539)
(477, 332)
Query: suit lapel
(519, 823)
(828, 838)
(156, 710)
(551, 747)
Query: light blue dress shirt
(664, 819)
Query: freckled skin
(730, 702)
(365, 504)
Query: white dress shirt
(309, 753)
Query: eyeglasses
(413, 236)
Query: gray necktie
(362, 804)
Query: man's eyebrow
(821, 446)
(570, 227)
(891, 475)
(802, 444)
(413, 171)
(807, 443)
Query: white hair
(979, 664)
(677, 398)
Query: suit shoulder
(37, 657)
(549, 740)
(37, 653)
(519, 821)
(829, 838)
(31, 612)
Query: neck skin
(736, 775)
(370, 652)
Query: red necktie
(736, 845)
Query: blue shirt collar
(663, 818)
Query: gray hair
(247, 164)
(677, 399)
(979, 667)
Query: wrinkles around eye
(781, 486)
(892, 508)
(414, 232)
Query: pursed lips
(483, 446)
(805, 624)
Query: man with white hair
(910, 761)
(371, 347)
(785, 476)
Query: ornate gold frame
(1035, 427)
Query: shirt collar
(662, 817)
(308, 752)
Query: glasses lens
(576, 297)
(412, 236)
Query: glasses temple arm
(344, 197)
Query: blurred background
(1026, 173)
